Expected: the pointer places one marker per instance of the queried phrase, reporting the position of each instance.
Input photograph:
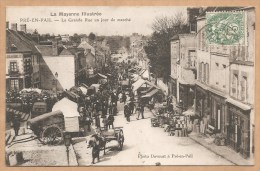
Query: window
(13, 66)
(244, 89)
(205, 74)
(199, 40)
(202, 72)
(234, 90)
(203, 43)
(15, 84)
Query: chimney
(23, 27)
(7, 25)
(55, 48)
(14, 26)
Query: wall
(174, 57)
(18, 57)
(64, 66)
(249, 71)
(219, 75)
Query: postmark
(226, 28)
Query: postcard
(130, 85)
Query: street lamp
(67, 142)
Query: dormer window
(13, 47)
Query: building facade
(225, 85)
(20, 52)
(57, 67)
(183, 68)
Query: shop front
(201, 101)
(238, 132)
(218, 117)
(187, 95)
(173, 87)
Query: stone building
(20, 55)
(225, 84)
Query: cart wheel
(120, 140)
(52, 136)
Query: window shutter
(243, 90)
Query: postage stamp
(226, 28)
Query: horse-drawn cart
(48, 127)
(115, 134)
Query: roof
(151, 93)
(67, 107)
(75, 50)
(46, 50)
(238, 104)
(14, 40)
(217, 9)
(86, 45)
(83, 89)
(175, 37)
(136, 85)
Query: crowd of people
(95, 108)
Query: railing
(13, 72)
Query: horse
(97, 143)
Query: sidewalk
(26, 150)
(222, 151)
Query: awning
(83, 89)
(22, 116)
(102, 81)
(96, 86)
(75, 88)
(31, 90)
(71, 94)
(125, 82)
(68, 108)
(151, 93)
(138, 84)
(83, 85)
(103, 76)
(183, 82)
(238, 104)
(145, 74)
(189, 112)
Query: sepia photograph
(130, 85)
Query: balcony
(13, 72)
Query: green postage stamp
(226, 28)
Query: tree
(158, 48)
(75, 38)
(92, 36)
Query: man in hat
(127, 112)
(16, 124)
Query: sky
(141, 19)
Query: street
(146, 145)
